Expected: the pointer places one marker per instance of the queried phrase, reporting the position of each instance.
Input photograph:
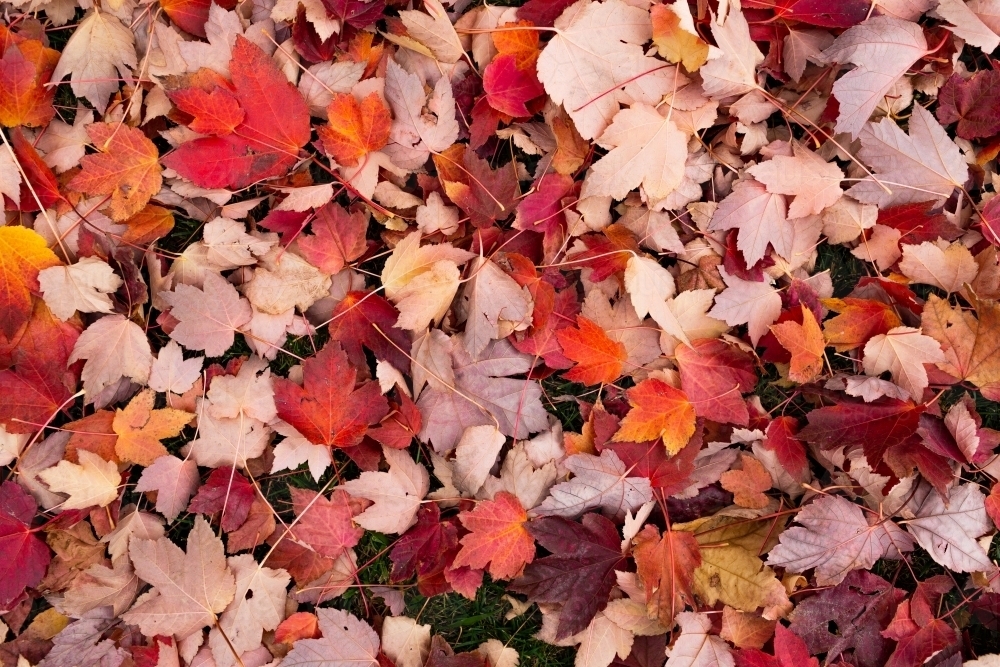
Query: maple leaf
(434, 30)
(114, 347)
(949, 267)
(24, 254)
(805, 342)
(338, 238)
(26, 65)
(171, 372)
(733, 69)
(666, 567)
(481, 395)
(915, 627)
(484, 193)
(356, 128)
(346, 640)
(696, 646)
(140, 429)
(971, 350)
(265, 144)
(414, 133)
(858, 321)
(226, 492)
(173, 480)
(755, 304)
(973, 103)
(760, 217)
(948, 527)
(498, 537)
(475, 455)
(882, 48)
(93, 482)
(645, 149)
(127, 169)
(836, 538)
(922, 166)
(599, 483)
(328, 409)
(365, 318)
(814, 181)
(396, 494)
(100, 51)
(192, 587)
(860, 607)
(190, 15)
(258, 605)
(495, 306)
(595, 53)
(599, 359)
(580, 573)
(903, 351)
(208, 318)
(25, 555)
(874, 426)
(748, 483)
(658, 411)
(510, 80)
(789, 651)
(714, 375)
(325, 524)
(83, 287)
(733, 574)
(675, 37)
(422, 280)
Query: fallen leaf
(192, 587)
(94, 482)
(140, 429)
(498, 537)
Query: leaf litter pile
(671, 332)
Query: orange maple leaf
(151, 223)
(127, 168)
(23, 253)
(499, 537)
(748, 484)
(140, 429)
(355, 128)
(858, 320)
(522, 44)
(215, 112)
(25, 67)
(805, 342)
(666, 567)
(599, 359)
(658, 411)
(94, 433)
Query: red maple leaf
(875, 426)
(365, 318)
(327, 524)
(327, 409)
(267, 141)
(714, 375)
(226, 491)
(498, 537)
(580, 573)
(24, 556)
(789, 651)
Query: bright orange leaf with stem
(658, 411)
(355, 128)
(599, 359)
(499, 537)
(127, 168)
